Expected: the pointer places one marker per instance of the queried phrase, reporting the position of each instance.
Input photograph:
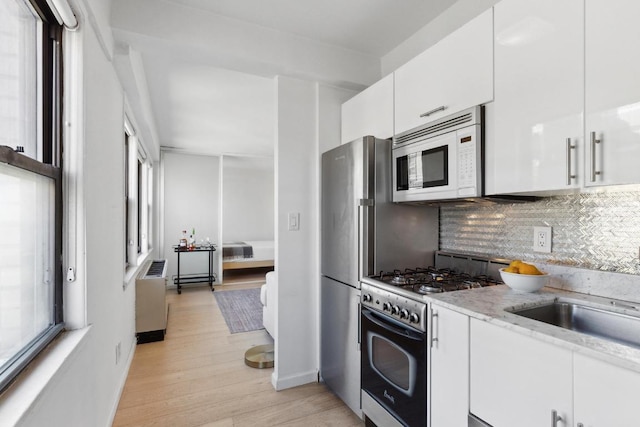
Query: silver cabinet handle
(594, 141)
(435, 110)
(570, 147)
(555, 418)
(434, 339)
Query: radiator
(151, 304)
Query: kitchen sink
(595, 321)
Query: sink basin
(597, 322)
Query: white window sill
(23, 394)
(132, 271)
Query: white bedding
(263, 250)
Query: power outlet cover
(542, 239)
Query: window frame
(49, 149)
(137, 227)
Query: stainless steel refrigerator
(362, 233)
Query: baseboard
(123, 381)
(282, 383)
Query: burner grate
(429, 280)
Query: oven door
(394, 361)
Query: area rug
(242, 309)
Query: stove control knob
(414, 318)
(395, 310)
(367, 298)
(386, 306)
(404, 314)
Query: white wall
(247, 198)
(330, 100)
(307, 123)
(296, 254)
(191, 198)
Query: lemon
(525, 268)
(512, 269)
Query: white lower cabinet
(449, 368)
(604, 395)
(516, 380)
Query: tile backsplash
(598, 231)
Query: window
(138, 186)
(30, 183)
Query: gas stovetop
(431, 280)
(403, 294)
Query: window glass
(30, 183)
(27, 266)
(20, 31)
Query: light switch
(294, 221)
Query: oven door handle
(406, 333)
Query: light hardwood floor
(197, 376)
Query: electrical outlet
(542, 239)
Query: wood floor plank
(197, 376)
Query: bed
(247, 254)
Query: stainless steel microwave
(441, 160)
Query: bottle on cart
(183, 240)
(192, 242)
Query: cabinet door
(370, 112)
(516, 380)
(449, 368)
(604, 395)
(538, 96)
(456, 73)
(612, 98)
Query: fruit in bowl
(524, 277)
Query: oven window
(391, 362)
(402, 173)
(435, 167)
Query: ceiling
(199, 74)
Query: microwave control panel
(468, 160)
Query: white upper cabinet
(612, 98)
(537, 139)
(370, 112)
(454, 74)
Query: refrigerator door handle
(363, 237)
(362, 246)
(359, 327)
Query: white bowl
(524, 282)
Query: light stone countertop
(490, 304)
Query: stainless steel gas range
(394, 325)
